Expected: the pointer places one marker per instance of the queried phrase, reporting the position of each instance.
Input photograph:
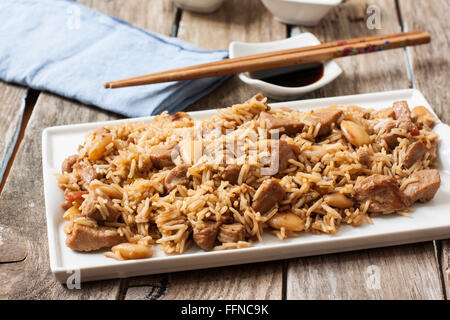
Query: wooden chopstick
(276, 59)
(275, 53)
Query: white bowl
(203, 6)
(331, 69)
(300, 12)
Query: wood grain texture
(409, 271)
(154, 15)
(431, 65)
(22, 207)
(12, 106)
(380, 71)
(253, 281)
(403, 272)
(236, 20)
(445, 265)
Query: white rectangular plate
(429, 221)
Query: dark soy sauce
(297, 78)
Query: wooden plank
(235, 20)
(153, 15)
(253, 281)
(349, 275)
(430, 67)
(22, 207)
(402, 272)
(12, 107)
(431, 62)
(372, 72)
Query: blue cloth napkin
(68, 49)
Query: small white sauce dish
(300, 12)
(330, 72)
(202, 6)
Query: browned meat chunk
(85, 238)
(269, 193)
(68, 163)
(285, 125)
(414, 153)
(433, 150)
(206, 237)
(90, 210)
(424, 117)
(390, 139)
(287, 152)
(86, 173)
(161, 156)
(280, 151)
(424, 189)
(363, 156)
(326, 117)
(177, 176)
(74, 196)
(283, 152)
(383, 113)
(382, 191)
(401, 110)
(231, 173)
(231, 233)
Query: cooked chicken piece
(383, 113)
(177, 176)
(231, 233)
(74, 196)
(433, 150)
(89, 208)
(269, 193)
(206, 237)
(280, 151)
(424, 117)
(287, 152)
(285, 125)
(86, 172)
(424, 189)
(390, 139)
(230, 173)
(326, 117)
(401, 110)
(85, 238)
(414, 153)
(382, 191)
(161, 156)
(68, 163)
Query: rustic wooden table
(416, 271)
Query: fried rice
(117, 178)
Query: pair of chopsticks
(282, 58)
